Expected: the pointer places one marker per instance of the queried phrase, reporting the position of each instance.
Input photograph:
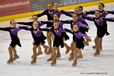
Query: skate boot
(16, 57)
(11, 55)
(10, 61)
(39, 53)
(97, 53)
(74, 63)
(33, 60)
(94, 47)
(50, 58)
(53, 61)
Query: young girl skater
(13, 30)
(78, 42)
(66, 37)
(101, 8)
(74, 22)
(49, 13)
(38, 38)
(79, 12)
(100, 23)
(104, 13)
(58, 41)
(35, 18)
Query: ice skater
(78, 43)
(13, 30)
(101, 26)
(39, 39)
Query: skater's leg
(80, 54)
(75, 56)
(67, 48)
(15, 53)
(73, 45)
(95, 41)
(98, 46)
(45, 47)
(39, 51)
(54, 55)
(87, 41)
(10, 54)
(101, 44)
(49, 42)
(34, 54)
(58, 53)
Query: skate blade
(74, 65)
(53, 64)
(9, 62)
(97, 55)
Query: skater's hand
(29, 27)
(49, 28)
(106, 12)
(85, 12)
(72, 31)
(88, 27)
(17, 26)
(33, 42)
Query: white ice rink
(104, 64)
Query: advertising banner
(12, 7)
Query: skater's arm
(82, 25)
(25, 28)
(5, 29)
(88, 18)
(46, 22)
(25, 23)
(43, 13)
(46, 29)
(67, 30)
(109, 19)
(66, 13)
(90, 12)
(66, 21)
(70, 12)
(111, 12)
(84, 35)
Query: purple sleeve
(66, 22)
(109, 19)
(62, 30)
(81, 25)
(83, 34)
(88, 18)
(59, 12)
(45, 22)
(90, 12)
(111, 12)
(70, 12)
(19, 29)
(45, 29)
(24, 27)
